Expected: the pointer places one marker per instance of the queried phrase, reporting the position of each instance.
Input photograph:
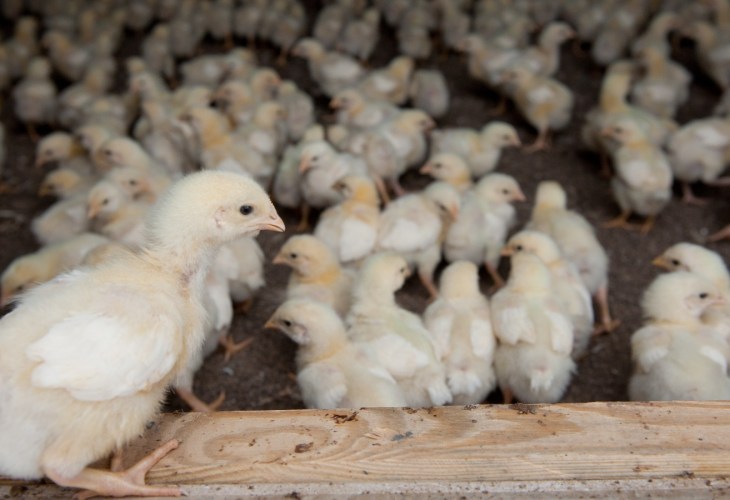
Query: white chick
(117, 215)
(676, 358)
(356, 111)
(350, 228)
(332, 70)
(94, 362)
(157, 53)
(577, 240)
(62, 220)
(566, 282)
(535, 334)
(389, 83)
(316, 273)
(299, 109)
(63, 148)
(664, 86)
(361, 35)
(65, 183)
(241, 262)
(285, 187)
(332, 371)
(450, 168)
(481, 150)
(414, 225)
(397, 336)
(643, 180)
(485, 218)
(710, 266)
(461, 326)
(27, 271)
(330, 22)
(698, 151)
(428, 91)
(34, 97)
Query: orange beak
(516, 142)
(427, 169)
(304, 165)
(270, 324)
(662, 263)
(273, 224)
(335, 103)
(4, 299)
(520, 196)
(506, 251)
(92, 211)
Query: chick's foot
(231, 348)
(198, 404)
(722, 234)
(120, 484)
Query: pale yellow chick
(117, 215)
(34, 97)
(316, 273)
(389, 83)
(95, 362)
(333, 371)
(429, 91)
(461, 326)
(65, 149)
(63, 183)
(332, 70)
(450, 168)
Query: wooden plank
(568, 450)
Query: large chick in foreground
(461, 326)
(316, 273)
(415, 225)
(57, 377)
(333, 371)
(675, 356)
(396, 336)
(535, 334)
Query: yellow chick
(34, 97)
(566, 281)
(544, 102)
(65, 183)
(166, 140)
(481, 149)
(657, 33)
(360, 35)
(698, 151)
(117, 216)
(397, 336)
(461, 326)
(332, 70)
(415, 225)
(486, 216)
(27, 271)
(356, 111)
(151, 335)
(389, 83)
(333, 371)
(350, 228)
(449, 168)
(675, 358)
(92, 137)
(316, 273)
(643, 179)
(235, 98)
(577, 240)
(535, 334)
(298, 109)
(664, 86)
(428, 91)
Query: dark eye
(287, 323)
(132, 182)
(19, 288)
(105, 202)
(437, 165)
(505, 191)
(108, 152)
(293, 255)
(246, 209)
(315, 158)
(519, 248)
(704, 295)
(675, 262)
(403, 270)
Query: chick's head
(315, 155)
(385, 272)
(53, 147)
(679, 297)
(445, 197)
(308, 48)
(459, 279)
(500, 134)
(306, 321)
(499, 188)
(22, 274)
(446, 167)
(307, 255)
(59, 182)
(104, 199)
(550, 194)
(357, 187)
(695, 259)
(533, 242)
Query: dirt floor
(261, 377)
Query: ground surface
(261, 377)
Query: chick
(47, 400)
(535, 334)
(481, 150)
(30, 270)
(710, 266)
(361, 35)
(299, 109)
(415, 225)
(566, 281)
(675, 358)
(23, 46)
(664, 87)
(357, 112)
(449, 168)
(486, 215)
(157, 53)
(711, 51)
(643, 179)
(389, 83)
(62, 220)
(34, 97)
(396, 336)
(332, 70)
(219, 21)
(330, 22)
(544, 58)
(262, 133)
(698, 151)
(657, 33)
(332, 371)
(316, 273)
(134, 169)
(91, 137)
(75, 101)
(285, 188)
(246, 19)
(65, 183)
(544, 102)
(461, 326)
(429, 92)
(350, 228)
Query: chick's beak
(44, 190)
(606, 132)
(661, 263)
(273, 223)
(39, 162)
(335, 103)
(92, 211)
(304, 165)
(279, 258)
(426, 169)
(271, 324)
(520, 196)
(516, 142)
(506, 251)
(4, 299)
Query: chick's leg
(382, 189)
(722, 234)
(689, 197)
(130, 482)
(494, 274)
(541, 143)
(304, 220)
(648, 224)
(231, 348)
(607, 324)
(620, 221)
(198, 404)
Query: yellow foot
(198, 404)
(231, 348)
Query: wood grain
(568, 449)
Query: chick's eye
(246, 209)
(315, 158)
(132, 182)
(287, 323)
(293, 255)
(519, 248)
(675, 262)
(19, 288)
(105, 201)
(704, 295)
(505, 191)
(403, 270)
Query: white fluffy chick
(118, 216)
(30, 270)
(664, 86)
(242, 263)
(481, 150)
(350, 228)
(675, 356)
(90, 358)
(698, 151)
(389, 83)
(62, 220)
(535, 334)
(396, 336)
(450, 168)
(414, 225)
(566, 281)
(299, 109)
(65, 149)
(332, 371)
(643, 180)
(461, 326)
(486, 216)
(285, 188)
(577, 240)
(428, 91)
(356, 111)
(709, 265)
(332, 70)
(316, 273)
